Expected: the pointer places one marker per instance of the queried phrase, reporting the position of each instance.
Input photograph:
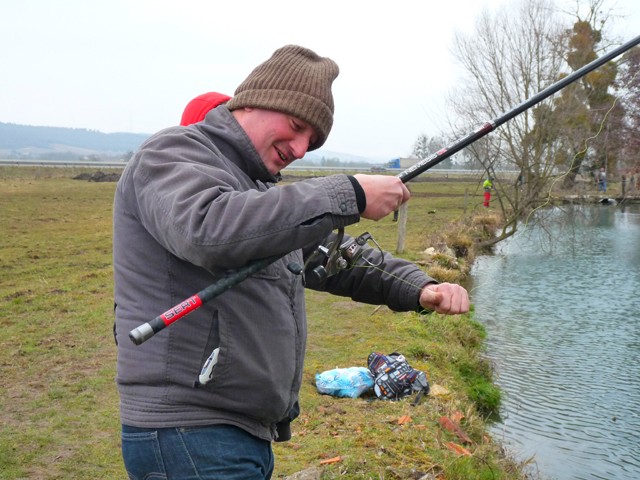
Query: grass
(57, 356)
(58, 400)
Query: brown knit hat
(296, 81)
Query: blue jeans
(195, 453)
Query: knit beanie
(295, 81)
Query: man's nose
(300, 145)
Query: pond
(561, 305)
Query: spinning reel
(340, 256)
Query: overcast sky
(132, 65)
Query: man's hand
(447, 298)
(384, 194)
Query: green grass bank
(58, 400)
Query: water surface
(561, 303)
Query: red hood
(197, 108)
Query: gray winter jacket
(197, 201)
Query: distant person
(601, 180)
(487, 186)
(198, 200)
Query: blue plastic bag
(345, 382)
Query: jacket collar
(234, 143)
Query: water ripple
(563, 321)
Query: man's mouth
(282, 156)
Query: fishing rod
(342, 256)
(488, 127)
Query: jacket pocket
(210, 354)
(257, 365)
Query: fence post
(466, 199)
(402, 226)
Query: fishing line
(547, 201)
(231, 278)
(395, 277)
(574, 159)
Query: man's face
(279, 138)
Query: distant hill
(58, 143)
(24, 141)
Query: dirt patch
(98, 177)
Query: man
(199, 200)
(487, 186)
(601, 180)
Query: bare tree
(628, 84)
(512, 55)
(425, 146)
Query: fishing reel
(339, 255)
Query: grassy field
(58, 400)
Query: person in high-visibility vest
(487, 186)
